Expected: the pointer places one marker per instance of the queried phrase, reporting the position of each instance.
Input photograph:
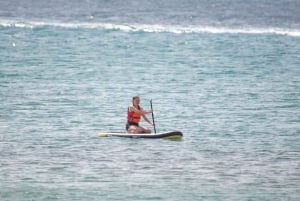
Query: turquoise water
(234, 93)
(234, 96)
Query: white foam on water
(154, 28)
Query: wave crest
(153, 28)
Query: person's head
(135, 100)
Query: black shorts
(131, 124)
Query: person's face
(136, 101)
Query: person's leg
(145, 129)
(134, 129)
(138, 129)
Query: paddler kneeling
(134, 114)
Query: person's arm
(146, 119)
(142, 111)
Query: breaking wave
(153, 28)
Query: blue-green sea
(224, 73)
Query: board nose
(102, 135)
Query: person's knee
(132, 129)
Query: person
(134, 114)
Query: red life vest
(133, 116)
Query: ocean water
(225, 73)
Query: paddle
(153, 116)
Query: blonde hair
(135, 97)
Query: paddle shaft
(153, 116)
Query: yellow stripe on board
(102, 135)
(173, 137)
